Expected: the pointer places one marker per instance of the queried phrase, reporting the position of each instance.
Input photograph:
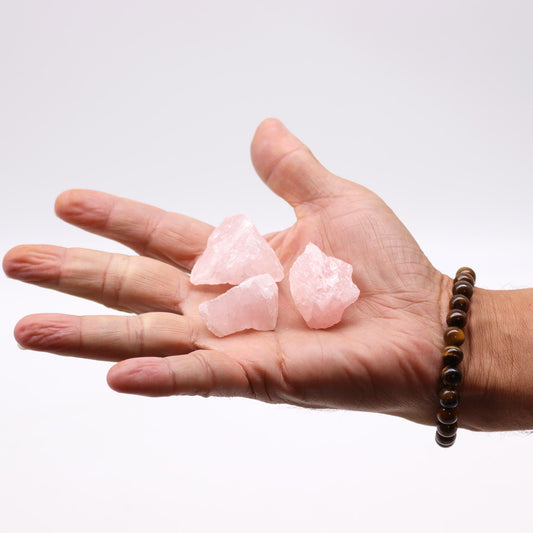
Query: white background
(427, 103)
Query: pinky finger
(199, 373)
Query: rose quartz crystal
(235, 251)
(251, 305)
(321, 287)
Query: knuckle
(207, 385)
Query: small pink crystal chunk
(321, 287)
(235, 251)
(251, 305)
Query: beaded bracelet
(452, 355)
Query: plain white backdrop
(427, 103)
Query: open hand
(384, 355)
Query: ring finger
(110, 338)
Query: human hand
(384, 355)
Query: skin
(384, 356)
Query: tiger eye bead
(444, 442)
(447, 430)
(464, 277)
(452, 355)
(456, 318)
(454, 336)
(463, 287)
(449, 398)
(466, 270)
(447, 416)
(451, 376)
(460, 301)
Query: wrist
(497, 390)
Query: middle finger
(127, 283)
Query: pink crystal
(235, 251)
(251, 305)
(321, 287)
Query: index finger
(150, 231)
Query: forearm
(497, 391)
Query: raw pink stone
(251, 305)
(321, 287)
(235, 251)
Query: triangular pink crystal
(321, 287)
(235, 251)
(251, 305)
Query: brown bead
(456, 318)
(466, 270)
(447, 416)
(454, 336)
(444, 442)
(449, 398)
(460, 301)
(451, 376)
(465, 276)
(452, 355)
(463, 287)
(447, 430)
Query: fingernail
(21, 347)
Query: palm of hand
(381, 357)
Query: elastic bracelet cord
(452, 355)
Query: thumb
(288, 167)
